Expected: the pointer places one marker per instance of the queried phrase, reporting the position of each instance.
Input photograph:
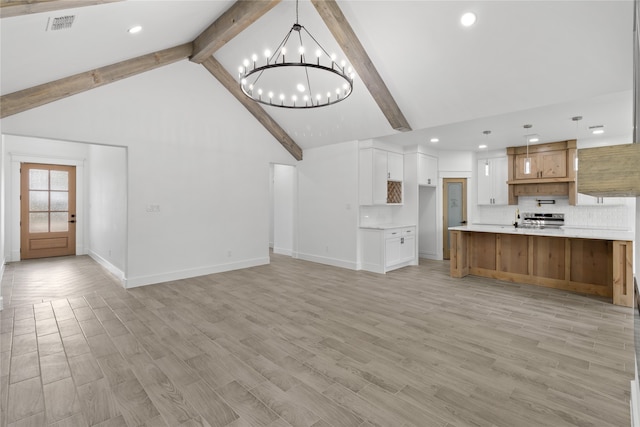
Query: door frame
(445, 211)
(27, 238)
(12, 251)
(279, 194)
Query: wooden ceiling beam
(231, 23)
(10, 8)
(345, 36)
(231, 84)
(36, 96)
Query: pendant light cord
(296, 12)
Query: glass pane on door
(454, 213)
(38, 222)
(60, 180)
(38, 201)
(38, 179)
(59, 201)
(59, 221)
(48, 201)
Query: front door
(455, 208)
(47, 210)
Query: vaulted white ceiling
(538, 62)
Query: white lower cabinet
(384, 250)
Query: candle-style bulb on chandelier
(298, 74)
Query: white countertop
(580, 233)
(386, 226)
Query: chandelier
(296, 80)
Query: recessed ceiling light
(597, 130)
(481, 146)
(468, 19)
(434, 140)
(134, 30)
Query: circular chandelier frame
(250, 74)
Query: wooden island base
(588, 266)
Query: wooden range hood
(612, 171)
(552, 171)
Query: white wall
(328, 205)
(2, 217)
(636, 243)
(107, 211)
(271, 206)
(428, 232)
(193, 151)
(284, 179)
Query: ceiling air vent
(61, 22)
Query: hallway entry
(47, 210)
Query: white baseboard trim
(282, 251)
(1, 276)
(119, 274)
(429, 256)
(133, 282)
(374, 268)
(328, 261)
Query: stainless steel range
(542, 220)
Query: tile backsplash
(614, 217)
(375, 215)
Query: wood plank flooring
(298, 344)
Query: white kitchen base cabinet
(387, 249)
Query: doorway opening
(283, 190)
(454, 201)
(47, 210)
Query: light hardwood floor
(301, 344)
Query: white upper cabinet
(381, 174)
(395, 166)
(427, 170)
(492, 181)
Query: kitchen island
(589, 261)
